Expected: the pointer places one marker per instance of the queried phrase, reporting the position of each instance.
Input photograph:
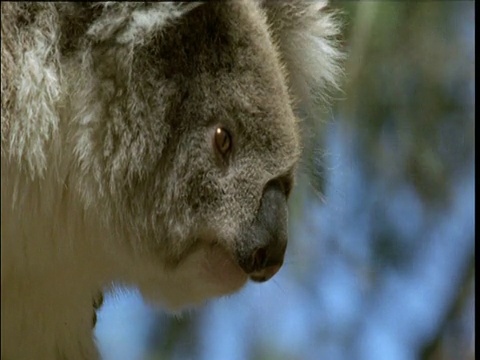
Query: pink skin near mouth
(208, 272)
(219, 267)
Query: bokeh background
(381, 261)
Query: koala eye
(223, 140)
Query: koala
(147, 144)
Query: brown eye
(223, 140)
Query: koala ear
(306, 33)
(133, 22)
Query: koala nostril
(259, 258)
(265, 262)
(265, 274)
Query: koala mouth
(258, 268)
(220, 264)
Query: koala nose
(265, 242)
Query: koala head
(184, 141)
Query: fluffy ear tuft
(132, 22)
(306, 33)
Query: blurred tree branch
(433, 350)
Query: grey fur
(109, 172)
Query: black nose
(264, 243)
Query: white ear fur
(34, 89)
(132, 22)
(306, 34)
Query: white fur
(60, 259)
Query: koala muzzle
(263, 245)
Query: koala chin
(148, 144)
